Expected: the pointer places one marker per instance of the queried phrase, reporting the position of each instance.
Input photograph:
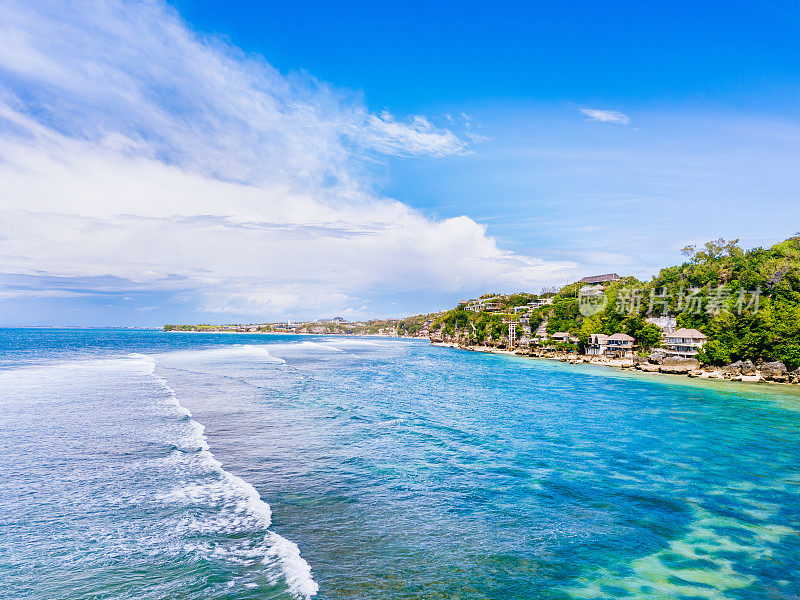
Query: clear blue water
(146, 465)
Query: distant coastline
(219, 332)
(417, 326)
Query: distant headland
(415, 327)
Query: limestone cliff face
(462, 339)
(440, 336)
(436, 336)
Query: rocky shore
(775, 371)
(657, 362)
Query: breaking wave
(226, 518)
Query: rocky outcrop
(678, 365)
(738, 368)
(732, 370)
(748, 369)
(774, 371)
(439, 336)
(659, 362)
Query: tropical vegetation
(747, 302)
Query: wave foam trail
(264, 351)
(346, 342)
(236, 351)
(318, 345)
(296, 570)
(225, 516)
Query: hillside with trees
(484, 327)
(746, 301)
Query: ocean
(146, 465)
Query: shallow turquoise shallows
(148, 465)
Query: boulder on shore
(678, 365)
(733, 370)
(656, 357)
(774, 371)
(740, 367)
(748, 368)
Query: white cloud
(419, 136)
(605, 116)
(476, 137)
(132, 148)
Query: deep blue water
(150, 465)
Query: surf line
(295, 570)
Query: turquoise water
(139, 464)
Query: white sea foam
(317, 345)
(263, 351)
(218, 503)
(43, 369)
(239, 507)
(353, 342)
(296, 570)
(256, 350)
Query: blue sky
(412, 56)
(255, 161)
